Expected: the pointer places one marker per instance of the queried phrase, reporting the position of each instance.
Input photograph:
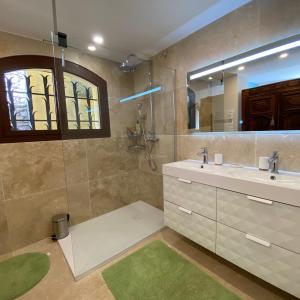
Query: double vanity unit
(249, 217)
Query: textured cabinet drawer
(194, 196)
(279, 223)
(193, 226)
(273, 264)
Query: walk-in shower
(114, 183)
(125, 205)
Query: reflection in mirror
(262, 94)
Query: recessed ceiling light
(210, 78)
(283, 55)
(241, 68)
(98, 39)
(92, 48)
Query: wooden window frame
(13, 63)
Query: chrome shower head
(129, 64)
(126, 67)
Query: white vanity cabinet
(257, 234)
(199, 229)
(197, 197)
(190, 209)
(276, 222)
(267, 261)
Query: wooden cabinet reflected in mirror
(272, 107)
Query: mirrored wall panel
(255, 91)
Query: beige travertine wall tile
(4, 235)
(1, 190)
(141, 77)
(237, 148)
(188, 146)
(181, 111)
(288, 146)
(28, 168)
(165, 146)
(75, 161)
(164, 113)
(29, 218)
(18, 45)
(116, 191)
(105, 194)
(279, 18)
(164, 76)
(79, 204)
(158, 159)
(151, 189)
(130, 187)
(108, 157)
(122, 115)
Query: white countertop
(283, 187)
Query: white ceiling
(143, 27)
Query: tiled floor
(60, 285)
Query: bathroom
(98, 115)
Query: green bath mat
(21, 273)
(156, 272)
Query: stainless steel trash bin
(60, 225)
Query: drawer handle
(265, 201)
(184, 180)
(257, 240)
(184, 210)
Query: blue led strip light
(156, 89)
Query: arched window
(40, 100)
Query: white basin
(285, 186)
(242, 172)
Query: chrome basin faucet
(204, 152)
(274, 162)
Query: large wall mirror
(256, 91)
